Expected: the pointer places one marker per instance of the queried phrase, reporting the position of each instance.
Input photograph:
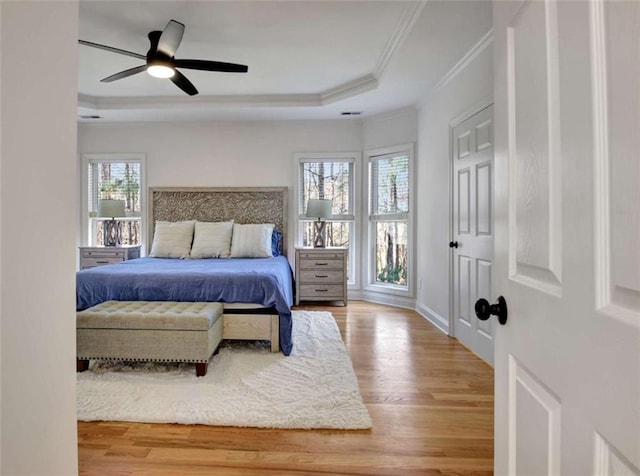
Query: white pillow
(172, 239)
(212, 240)
(251, 241)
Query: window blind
(116, 181)
(390, 184)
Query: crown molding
(168, 102)
(349, 89)
(472, 54)
(344, 91)
(400, 33)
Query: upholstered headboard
(241, 204)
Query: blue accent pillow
(276, 241)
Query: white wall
(38, 192)
(392, 128)
(472, 85)
(218, 154)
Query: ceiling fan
(160, 61)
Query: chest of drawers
(92, 256)
(321, 274)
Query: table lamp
(110, 229)
(319, 209)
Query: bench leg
(201, 369)
(82, 365)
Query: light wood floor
(431, 401)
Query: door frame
(456, 121)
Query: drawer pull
(102, 262)
(322, 290)
(322, 276)
(321, 264)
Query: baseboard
(433, 317)
(379, 298)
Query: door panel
(484, 288)
(535, 208)
(535, 442)
(473, 229)
(617, 160)
(464, 217)
(609, 462)
(464, 287)
(483, 199)
(464, 145)
(484, 135)
(567, 235)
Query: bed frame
(244, 205)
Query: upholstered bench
(149, 331)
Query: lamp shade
(111, 208)
(319, 208)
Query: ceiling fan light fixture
(160, 71)
(161, 63)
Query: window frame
(86, 222)
(354, 200)
(371, 221)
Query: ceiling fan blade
(171, 38)
(183, 83)
(124, 74)
(112, 49)
(205, 65)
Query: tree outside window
(328, 181)
(389, 215)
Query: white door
(567, 234)
(472, 243)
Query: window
(329, 177)
(389, 217)
(118, 178)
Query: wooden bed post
(275, 333)
(201, 368)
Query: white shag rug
(246, 385)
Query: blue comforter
(265, 281)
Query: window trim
(87, 159)
(354, 199)
(369, 221)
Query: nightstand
(321, 274)
(92, 256)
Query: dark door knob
(453, 244)
(484, 310)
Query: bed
(253, 291)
